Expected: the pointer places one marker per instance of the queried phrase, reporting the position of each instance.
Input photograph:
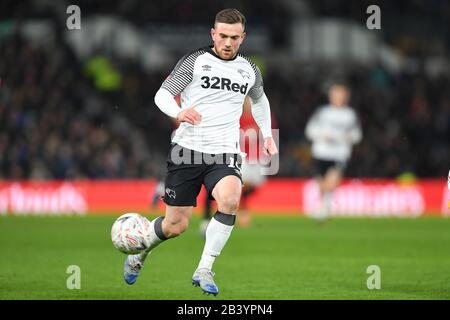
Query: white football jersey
(341, 125)
(216, 88)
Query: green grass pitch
(276, 258)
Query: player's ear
(243, 36)
(213, 32)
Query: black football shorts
(187, 170)
(322, 166)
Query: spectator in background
(56, 124)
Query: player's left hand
(270, 148)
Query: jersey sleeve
(257, 90)
(313, 126)
(355, 131)
(182, 75)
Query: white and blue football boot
(203, 278)
(131, 268)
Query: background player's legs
(206, 216)
(328, 185)
(207, 212)
(227, 193)
(157, 194)
(244, 219)
(253, 176)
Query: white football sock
(217, 235)
(156, 236)
(326, 205)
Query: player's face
(227, 39)
(339, 96)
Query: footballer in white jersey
(212, 83)
(333, 130)
(217, 88)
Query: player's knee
(327, 187)
(322, 186)
(334, 185)
(229, 203)
(330, 185)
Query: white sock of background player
(326, 201)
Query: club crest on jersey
(223, 84)
(244, 74)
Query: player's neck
(213, 49)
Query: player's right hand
(189, 115)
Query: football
(130, 233)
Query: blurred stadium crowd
(57, 122)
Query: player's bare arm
(261, 114)
(269, 146)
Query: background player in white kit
(333, 129)
(213, 82)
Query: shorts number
(233, 164)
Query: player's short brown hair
(230, 16)
(340, 84)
